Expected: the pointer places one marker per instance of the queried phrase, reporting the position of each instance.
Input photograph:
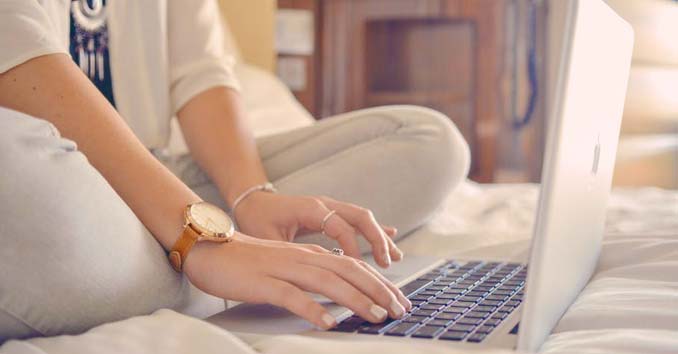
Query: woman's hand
(264, 271)
(282, 217)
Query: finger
(390, 231)
(288, 296)
(407, 304)
(394, 251)
(337, 228)
(324, 282)
(375, 287)
(363, 220)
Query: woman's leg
(398, 161)
(72, 254)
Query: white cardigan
(162, 53)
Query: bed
(630, 305)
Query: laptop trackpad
(268, 319)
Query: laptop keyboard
(453, 302)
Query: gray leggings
(74, 255)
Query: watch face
(210, 220)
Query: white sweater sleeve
(197, 57)
(26, 32)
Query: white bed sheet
(630, 306)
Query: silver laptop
(506, 304)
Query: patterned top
(164, 52)
(89, 43)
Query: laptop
(480, 303)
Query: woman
(80, 235)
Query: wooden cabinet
(445, 54)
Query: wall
(252, 24)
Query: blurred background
(487, 64)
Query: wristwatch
(202, 222)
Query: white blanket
(630, 306)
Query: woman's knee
(437, 141)
(74, 255)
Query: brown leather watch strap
(181, 247)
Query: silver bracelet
(266, 187)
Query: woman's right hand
(279, 273)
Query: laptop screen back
(587, 107)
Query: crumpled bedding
(630, 305)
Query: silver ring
(337, 252)
(327, 217)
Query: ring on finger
(325, 219)
(337, 251)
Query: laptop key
(490, 303)
(447, 316)
(448, 279)
(375, 328)
(439, 301)
(477, 314)
(506, 309)
(401, 329)
(484, 329)
(483, 287)
(456, 288)
(452, 309)
(476, 337)
(484, 308)
(414, 319)
(470, 298)
(512, 303)
(414, 286)
(492, 322)
(427, 331)
(432, 307)
(470, 321)
(422, 312)
(438, 322)
(496, 297)
(350, 324)
(477, 293)
(500, 315)
(419, 297)
(462, 328)
(462, 304)
(436, 287)
(453, 335)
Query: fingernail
(328, 320)
(387, 258)
(378, 312)
(399, 253)
(397, 309)
(408, 303)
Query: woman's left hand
(283, 217)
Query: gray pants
(73, 255)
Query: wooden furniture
(450, 55)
